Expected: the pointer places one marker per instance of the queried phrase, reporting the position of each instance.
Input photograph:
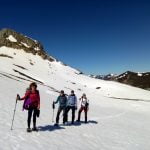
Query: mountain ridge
(137, 79)
(13, 39)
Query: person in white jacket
(71, 104)
(84, 106)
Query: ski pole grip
(18, 97)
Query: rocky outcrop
(13, 39)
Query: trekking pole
(53, 106)
(14, 112)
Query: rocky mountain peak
(16, 40)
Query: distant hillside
(141, 80)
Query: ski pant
(73, 108)
(60, 109)
(31, 111)
(80, 111)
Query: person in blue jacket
(62, 100)
(71, 105)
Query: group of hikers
(66, 103)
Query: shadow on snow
(83, 122)
(50, 128)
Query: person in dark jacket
(62, 100)
(33, 95)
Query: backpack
(26, 104)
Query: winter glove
(38, 113)
(38, 107)
(53, 105)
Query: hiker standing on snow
(62, 99)
(71, 104)
(84, 106)
(32, 104)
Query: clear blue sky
(95, 36)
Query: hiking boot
(65, 123)
(85, 122)
(56, 125)
(29, 130)
(34, 129)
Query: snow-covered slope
(118, 116)
(59, 76)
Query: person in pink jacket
(32, 104)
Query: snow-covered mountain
(137, 79)
(118, 115)
(141, 80)
(109, 77)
